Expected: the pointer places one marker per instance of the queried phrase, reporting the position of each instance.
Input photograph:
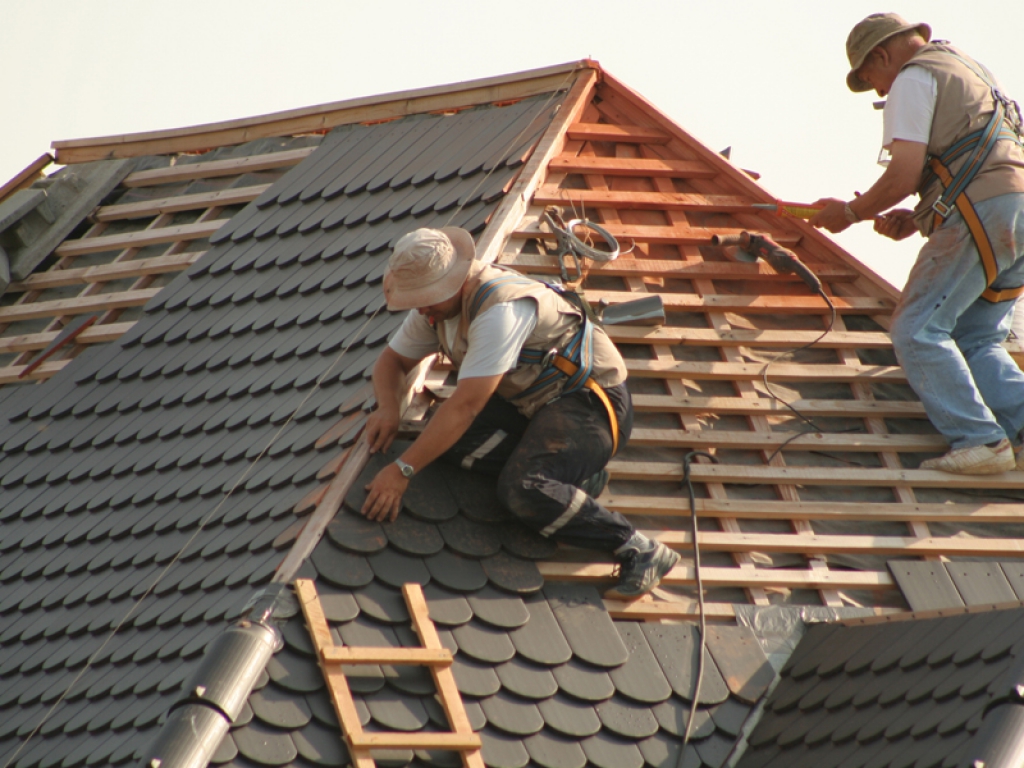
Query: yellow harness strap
(569, 368)
(981, 240)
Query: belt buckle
(941, 208)
(549, 358)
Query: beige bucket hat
(428, 266)
(871, 32)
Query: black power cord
(701, 620)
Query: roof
(187, 453)
(890, 694)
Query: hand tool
(793, 210)
(752, 247)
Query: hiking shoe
(594, 484)
(976, 460)
(640, 570)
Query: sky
(766, 78)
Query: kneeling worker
(545, 425)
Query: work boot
(594, 484)
(976, 460)
(642, 564)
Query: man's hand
(897, 224)
(832, 217)
(384, 500)
(381, 428)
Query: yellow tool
(794, 210)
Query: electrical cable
(701, 619)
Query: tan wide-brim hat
(428, 266)
(871, 32)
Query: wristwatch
(405, 469)
(850, 214)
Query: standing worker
(541, 401)
(953, 137)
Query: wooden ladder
(433, 655)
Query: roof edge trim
(322, 117)
(937, 613)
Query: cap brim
(443, 288)
(857, 85)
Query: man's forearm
(889, 191)
(442, 431)
(388, 384)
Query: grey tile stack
(113, 474)
(933, 585)
(547, 677)
(906, 694)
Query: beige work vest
(964, 104)
(557, 322)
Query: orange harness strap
(569, 368)
(981, 239)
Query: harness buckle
(942, 209)
(549, 358)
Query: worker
(544, 434)
(952, 136)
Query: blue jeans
(947, 338)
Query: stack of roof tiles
(546, 676)
(888, 695)
(114, 476)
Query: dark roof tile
(569, 717)
(627, 719)
(483, 643)
(640, 678)
(674, 714)
(541, 639)
(502, 751)
(512, 714)
(462, 574)
(446, 608)
(474, 678)
(526, 679)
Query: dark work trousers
(540, 463)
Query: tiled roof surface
(887, 695)
(123, 459)
(547, 677)
(933, 585)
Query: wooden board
(139, 239)
(629, 166)
(810, 441)
(56, 278)
(741, 406)
(633, 134)
(77, 306)
(222, 197)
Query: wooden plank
(15, 374)
(337, 685)
(325, 116)
(624, 266)
(417, 740)
(810, 441)
(834, 476)
(56, 278)
(66, 337)
(907, 546)
(139, 239)
(742, 406)
(983, 512)
(679, 609)
(632, 166)
(328, 506)
(672, 235)
(515, 203)
(577, 199)
(705, 371)
(26, 176)
(77, 306)
(398, 656)
(683, 575)
(234, 166)
(713, 337)
(444, 679)
(632, 134)
(92, 335)
(147, 208)
(761, 304)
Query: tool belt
(954, 193)
(576, 361)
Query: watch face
(406, 469)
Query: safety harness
(575, 362)
(954, 194)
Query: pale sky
(766, 78)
